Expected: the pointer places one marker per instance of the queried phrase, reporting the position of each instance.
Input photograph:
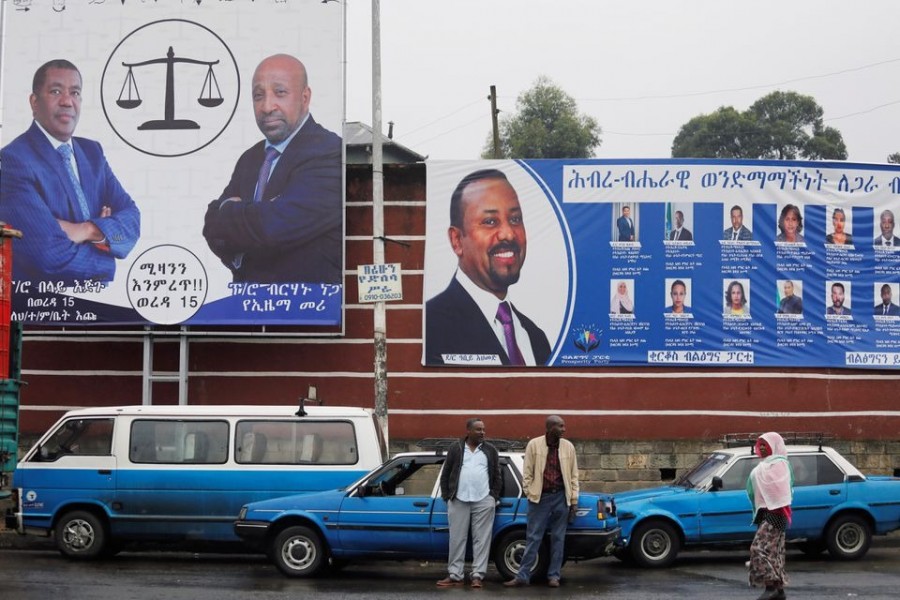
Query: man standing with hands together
(551, 484)
(470, 484)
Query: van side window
(81, 437)
(178, 441)
(280, 442)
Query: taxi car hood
(317, 500)
(623, 498)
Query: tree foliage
(780, 125)
(894, 158)
(546, 124)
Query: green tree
(546, 124)
(894, 158)
(780, 125)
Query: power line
(451, 130)
(450, 114)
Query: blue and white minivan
(103, 476)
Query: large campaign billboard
(174, 162)
(573, 263)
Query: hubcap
(656, 544)
(850, 537)
(78, 534)
(298, 553)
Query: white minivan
(103, 476)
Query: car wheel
(80, 534)
(654, 544)
(508, 552)
(812, 548)
(848, 537)
(299, 552)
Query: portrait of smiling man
(475, 314)
(280, 218)
(59, 189)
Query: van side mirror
(716, 483)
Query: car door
(818, 486)
(726, 514)
(390, 514)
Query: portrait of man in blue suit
(625, 225)
(475, 314)
(60, 191)
(738, 231)
(280, 218)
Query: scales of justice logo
(165, 115)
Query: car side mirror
(361, 490)
(716, 483)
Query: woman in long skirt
(771, 489)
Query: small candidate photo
(738, 223)
(837, 298)
(625, 222)
(840, 226)
(886, 295)
(790, 224)
(885, 224)
(61, 192)
(621, 301)
(497, 279)
(678, 296)
(679, 222)
(789, 296)
(737, 297)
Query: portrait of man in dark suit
(886, 224)
(280, 218)
(60, 191)
(738, 232)
(475, 314)
(625, 225)
(887, 307)
(680, 232)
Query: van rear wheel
(80, 534)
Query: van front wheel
(80, 534)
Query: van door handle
(422, 504)
(834, 492)
(105, 471)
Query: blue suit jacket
(35, 190)
(626, 230)
(455, 325)
(295, 233)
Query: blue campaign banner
(169, 164)
(662, 262)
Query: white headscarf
(771, 481)
(621, 301)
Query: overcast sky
(642, 68)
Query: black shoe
(770, 594)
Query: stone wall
(616, 466)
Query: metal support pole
(494, 124)
(380, 322)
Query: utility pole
(380, 322)
(496, 127)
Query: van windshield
(86, 437)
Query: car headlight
(243, 514)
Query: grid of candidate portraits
(784, 263)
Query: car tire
(508, 551)
(848, 537)
(81, 535)
(654, 544)
(299, 552)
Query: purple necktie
(504, 315)
(271, 154)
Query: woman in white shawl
(771, 489)
(621, 302)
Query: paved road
(26, 574)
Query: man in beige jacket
(551, 484)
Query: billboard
(662, 262)
(174, 162)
